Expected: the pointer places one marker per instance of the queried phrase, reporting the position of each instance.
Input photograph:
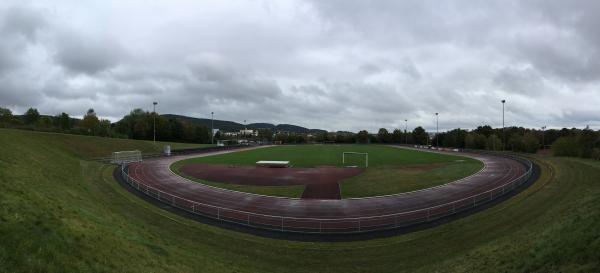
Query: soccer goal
(125, 157)
(346, 157)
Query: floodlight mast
(212, 127)
(154, 116)
(406, 130)
(543, 137)
(437, 130)
(503, 129)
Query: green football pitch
(390, 169)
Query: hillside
(234, 126)
(61, 213)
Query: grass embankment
(59, 213)
(391, 170)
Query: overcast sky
(334, 65)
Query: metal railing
(330, 225)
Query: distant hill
(225, 125)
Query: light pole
(244, 135)
(212, 127)
(503, 129)
(406, 130)
(437, 130)
(543, 137)
(154, 115)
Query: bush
(565, 146)
(596, 153)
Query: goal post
(125, 157)
(366, 155)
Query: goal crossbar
(356, 153)
(125, 157)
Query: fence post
(218, 214)
(281, 222)
(247, 214)
(194, 208)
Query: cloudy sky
(335, 65)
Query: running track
(332, 216)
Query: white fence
(332, 225)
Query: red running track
(499, 175)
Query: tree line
(138, 124)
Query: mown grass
(382, 181)
(59, 213)
(328, 155)
(391, 170)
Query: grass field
(328, 155)
(391, 170)
(59, 213)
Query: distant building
(248, 132)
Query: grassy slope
(61, 214)
(379, 179)
(93, 147)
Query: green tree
(420, 136)
(531, 143)
(494, 143)
(565, 146)
(32, 116)
(384, 136)
(64, 121)
(398, 136)
(587, 139)
(103, 128)
(455, 138)
(475, 140)
(201, 134)
(267, 134)
(362, 137)
(90, 121)
(45, 122)
(6, 116)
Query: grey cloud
(520, 81)
(21, 20)
(89, 55)
(337, 65)
(18, 28)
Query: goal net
(355, 159)
(125, 157)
